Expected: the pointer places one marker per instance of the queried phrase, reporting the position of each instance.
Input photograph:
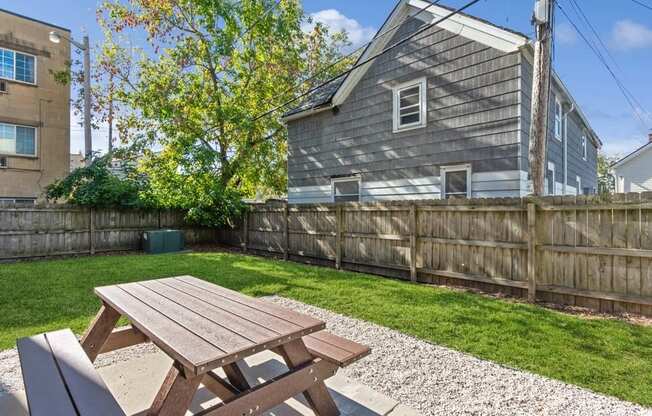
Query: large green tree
(208, 70)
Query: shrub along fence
(569, 250)
(56, 230)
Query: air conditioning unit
(3, 162)
(3, 86)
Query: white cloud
(337, 22)
(565, 34)
(631, 35)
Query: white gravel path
(429, 378)
(439, 381)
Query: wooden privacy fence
(569, 250)
(29, 232)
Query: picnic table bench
(202, 327)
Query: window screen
(346, 191)
(456, 184)
(6, 64)
(24, 68)
(17, 140)
(17, 66)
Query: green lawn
(607, 356)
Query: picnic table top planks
(204, 326)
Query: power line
(366, 61)
(628, 95)
(647, 6)
(583, 15)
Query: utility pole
(543, 19)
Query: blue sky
(626, 30)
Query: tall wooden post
(532, 252)
(543, 15)
(91, 231)
(245, 232)
(286, 232)
(338, 237)
(413, 242)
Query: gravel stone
(439, 381)
(431, 379)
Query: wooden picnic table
(204, 327)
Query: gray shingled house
(444, 115)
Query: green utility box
(162, 241)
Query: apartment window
(17, 66)
(550, 178)
(456, 181)
(410, 105)
(583, 149)
(579, 186)
(17, 140)
(558, 119)
(346, 190)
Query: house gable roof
(636, 153)
(471, 27)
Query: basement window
(410, 105)
(456, 181)
(346, 189)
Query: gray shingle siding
(586, 169)
(473, 109)
(477, 113)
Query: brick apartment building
(34, 108)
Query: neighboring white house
(633, 173)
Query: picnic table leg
(99, 330)
(296, 354)
(175, 395)
(236, 377)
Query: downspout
(572, 108)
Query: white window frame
(456, 168)
(346, 179)
(35, 67)
(422, 83)
(578, 179)
(551, 167)
(559, 116)
(35, 155)
(584, 146)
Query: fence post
(245, 232)
(338, 237)
(413, 242)
(286, 232)
(532, 252)
(91, 231)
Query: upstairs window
(346, 190)
(17, 140)
(583, 147)
(410, 105)
(558, 120)
(17, 66)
